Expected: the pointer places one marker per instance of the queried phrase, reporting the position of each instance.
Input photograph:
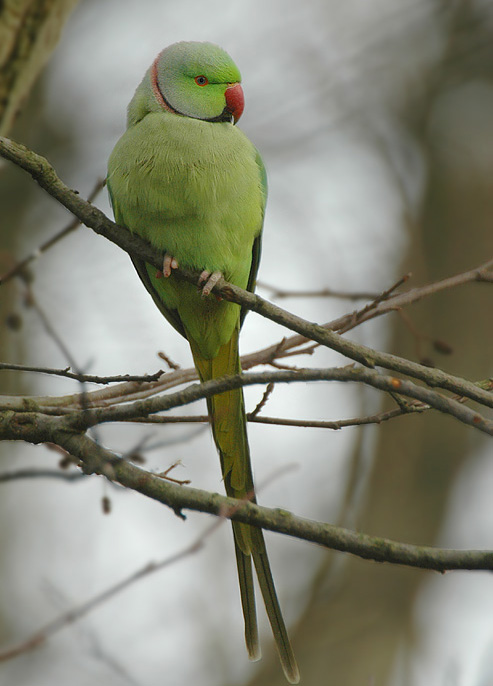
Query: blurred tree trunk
(360, 614)
(29, 32)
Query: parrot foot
(169, 263)
(208, 280)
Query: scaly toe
(203, 278)
(169, 263)
(210, 280)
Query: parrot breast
(193, 190)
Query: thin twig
(335, 424)
(49, 328)
(171, 364)
(21, 266)
(375, 298)
(45, 175)
(277, 293)
(383, 382)
(39, 637)
(77, 613)
(262, 403)
(86, 378)
(480, 274)
(103, 461)
(340, 423)
(360, 315)
(41, 474)
(81, 420)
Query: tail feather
(274, 613)
(228, 422)
(247, 593)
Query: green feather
(196, 189)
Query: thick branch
(89, 417)
(97, 459)
(45, 175)
(36, 427)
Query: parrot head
(197, 80)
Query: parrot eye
(201, 80)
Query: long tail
(228, 421)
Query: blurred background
(375, 121)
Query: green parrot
(188, 181)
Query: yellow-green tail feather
(228, 422)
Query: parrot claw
(169, 263)
(207, 281)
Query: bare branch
(20, 267)
(141, 408)
(265, 397)
(278, 293)
(83, 378)
(97, 459)
(41, 474)
(82, 419)
(338, 424)
(480, 274)
(75, 614)
(62, 421)
(375, 298)
(44, 174)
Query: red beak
(235, 100)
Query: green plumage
(188, 181)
